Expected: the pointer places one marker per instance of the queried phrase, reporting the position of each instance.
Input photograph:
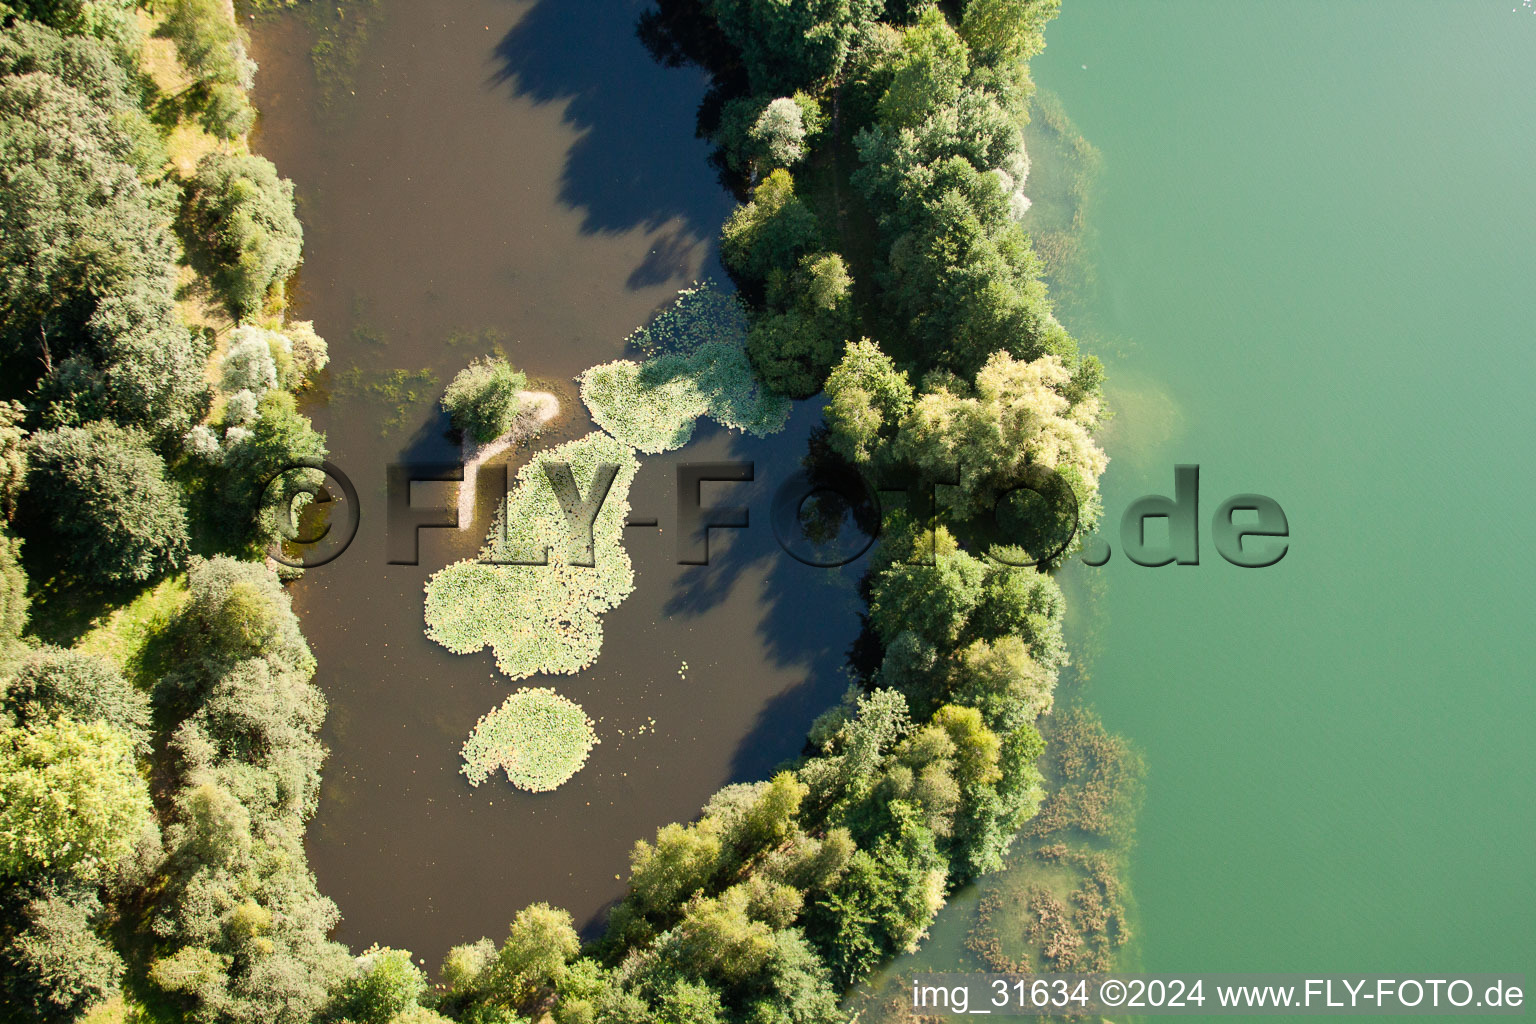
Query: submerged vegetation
(539, 738)
(702, 314)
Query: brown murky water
(522, 173)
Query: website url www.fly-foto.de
(1036, 994)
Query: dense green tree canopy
(56, 965)
(241, 214)
(87, 264)
(793, 350)
(769, 233)
(102, 494)
(52, 682)
(791, 44)
(385, 985)
(71, 798)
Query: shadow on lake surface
(614, 97)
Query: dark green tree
(280, 437)
(55, 966)
(794, 349)
(102, 496)
(791, 44)
(87, 265)
(772, 232)
(51, 682)
(385, 985)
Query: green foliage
(226, 112)
(540, 618)
(1016, 418)
(541, 941)
(757, 135)
(87, 264)
(933, 601)
(249, 363)
(13, 595)
(482, 399)
(13, 457)
(653, 406)
(883, 904)
(1023, 602)
(702, 314)
(1007, 30)
(684, 860)
(71, 798)
(51, 682)
(794, 349)
(103, 495)
(242, 927)
(1003, 681)
(771, 817)
(250, 512)
(867, 398)
(789, 45)
(779, 132)
(852, 757)
(929, 71)
(208, 42)
(108, 20)
(240, 213)
(385, 985)
(92, 68)
(209, 46)
(235, 612)
(539, 738)
(56, 967)
(771, 232)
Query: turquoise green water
(1316, 231)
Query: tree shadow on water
(637, 161)
(809, 615)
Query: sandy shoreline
(539, 408)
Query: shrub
(57, 967)
(482, 399)
(248, 364)
(53, 682)
(386, 985)
(241, 213)
(13, 595)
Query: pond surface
(1314, 247)
(523, 175)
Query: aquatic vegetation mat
(654, 405)
(547, 618)
(539, 738)
(701, 314)
(540, 618)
